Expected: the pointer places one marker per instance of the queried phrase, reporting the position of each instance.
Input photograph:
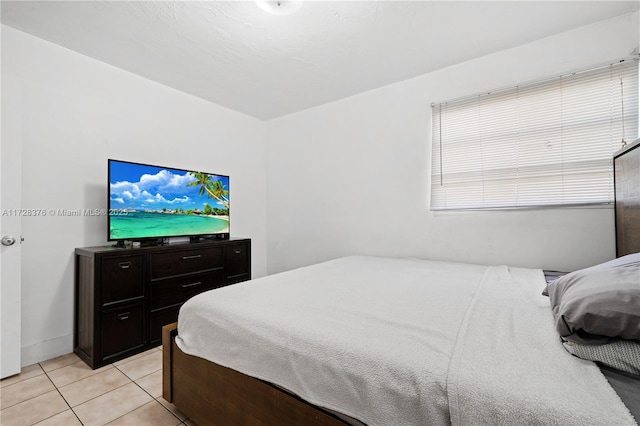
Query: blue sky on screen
(143, 187)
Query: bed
(380, 341)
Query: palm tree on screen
(215, 189)
(220, 192)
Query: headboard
(626, 178)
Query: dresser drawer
(237, 262)
(159, 319)
(122, 278)
(172, 291)
(122, 330)
(179, 262)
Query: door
(10, 226)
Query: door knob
(8, 240)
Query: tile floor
(65, 391)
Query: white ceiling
(235, 54)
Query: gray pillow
(596, 304)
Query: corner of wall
(48, 349)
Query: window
(540, 144)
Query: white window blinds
(539, 144)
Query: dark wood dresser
(626, 166)
(123, 296)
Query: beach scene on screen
(147, 201)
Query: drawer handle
(195, 256)
(237, 251)
(124, 316)
(190, 285)
(124, 265)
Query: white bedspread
(403, 342)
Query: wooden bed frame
(211, 394)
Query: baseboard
(48, 349)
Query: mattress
(403, 341)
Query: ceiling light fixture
(280, 7)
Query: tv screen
(148, 201)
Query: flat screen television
(149, 202)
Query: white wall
(77, 112)
(352, 177)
